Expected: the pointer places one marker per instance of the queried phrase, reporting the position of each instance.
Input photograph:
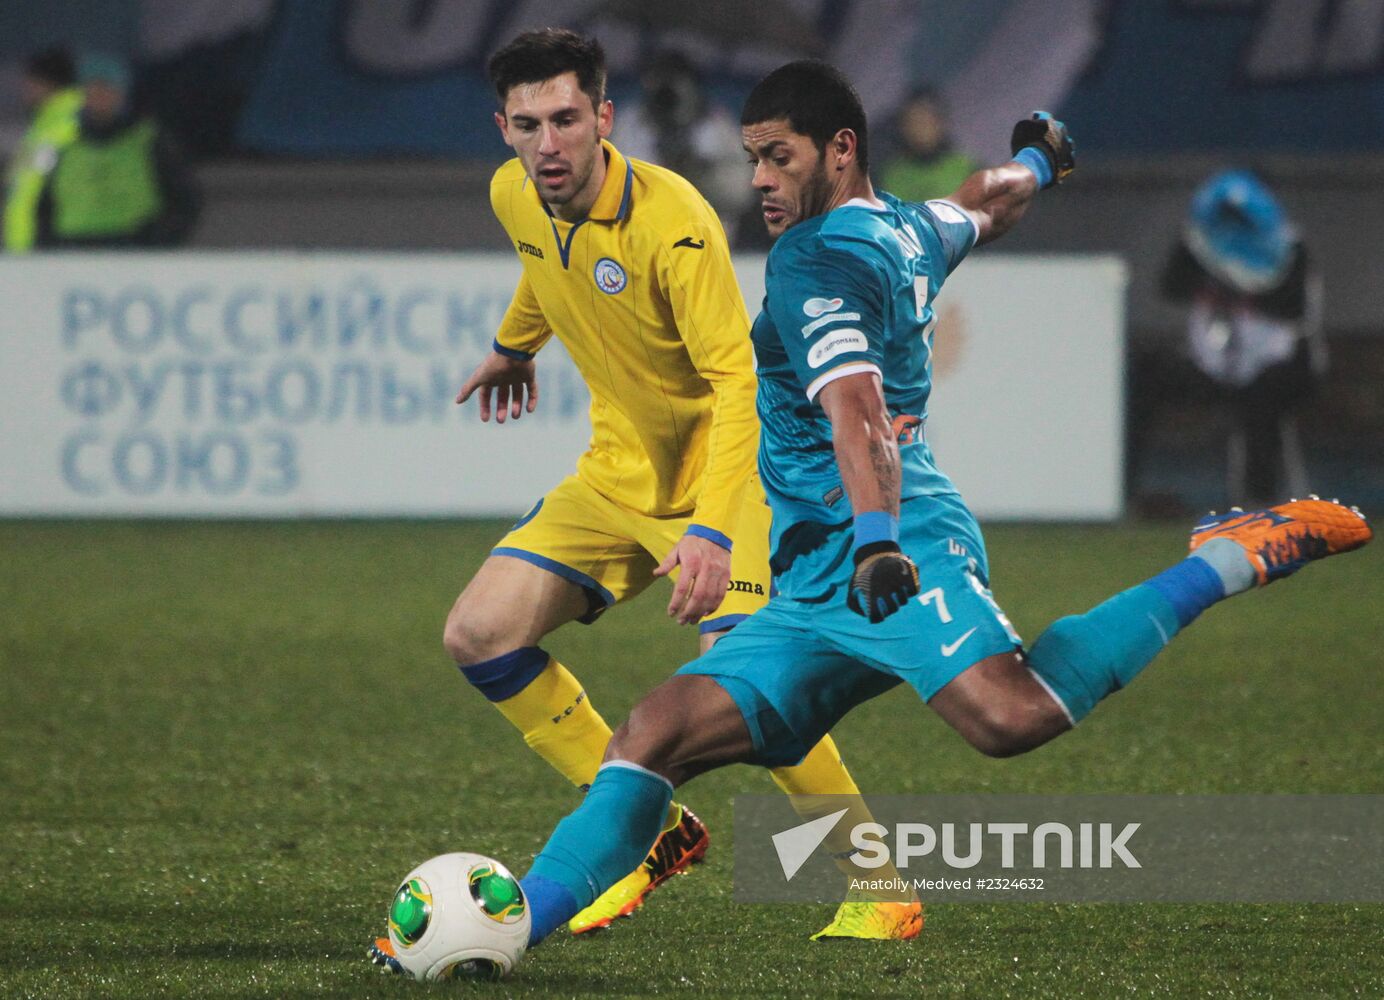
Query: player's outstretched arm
(510, 380)
(867, 454)
(997, 197)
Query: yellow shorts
(612, 552)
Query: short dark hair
(536, 56)
(53, 65)
(816, 99)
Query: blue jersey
(846, 292)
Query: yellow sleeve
(21, 210)
(711, 319)
(525, 329)
(37, 158)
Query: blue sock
(595, 846)
(1083, 658)
(1191, 587)
(550, 906)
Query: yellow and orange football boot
(677, 849)
(874, 920)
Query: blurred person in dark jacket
(122, 182)
(925, 165)
(1253, 325)
(48, 89)
(677, 124)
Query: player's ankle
(1227, 557)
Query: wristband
(510, 352)
(1037, 162)
(710, 534)
(876, 526)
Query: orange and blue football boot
(680, 846)
(381, 953)
(1281, 540)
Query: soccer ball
(459, 915)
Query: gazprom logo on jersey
(610, 276)
(835, 343)
(816, 307)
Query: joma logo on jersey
(745, 587)
(529, 248)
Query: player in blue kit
(880, 568)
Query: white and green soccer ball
(459, 915)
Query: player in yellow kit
(628, 265)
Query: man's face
(557, 135)
(103, 102)
(790, 174)
(33, 91)
(922, 127)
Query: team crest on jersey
(610, 276)
(816, 307)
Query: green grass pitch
(221, 745)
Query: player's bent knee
(1007, 729)
(459, 642)
(995, 743)
(471, 638)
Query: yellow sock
(820, 773)
(558, 722)
(815, 787)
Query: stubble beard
(814, 197)
(576, 185)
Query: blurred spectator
(925, 165)
(121, 182)
(677, 125)
(50, 96)
(1253, 327)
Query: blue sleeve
(828, 307)
(955, 229)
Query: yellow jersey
(642, 295)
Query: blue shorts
(795, 669)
